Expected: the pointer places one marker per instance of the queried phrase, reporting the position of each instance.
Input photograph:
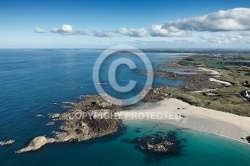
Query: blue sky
(142, 23)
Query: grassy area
(225, 99)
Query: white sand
(211, 71)
(204, 90)
(216, 74)
(219, 81)
(196, 118)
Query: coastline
(163, 99)
(196, 118)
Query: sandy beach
(211, 71)
(195, 118)
(221, 82)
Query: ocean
(33, 80)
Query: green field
(233, 69)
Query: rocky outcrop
(90, 118)
(76, 130)
(248, 139)
(7, 142)
(83, 121)
(86, 126)
(92, 102)
(36, 143)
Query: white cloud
(171, 31)
(64, 29)
(237, 19)
(133, 32)
(102, 33)
(39, 30)
(68, 30)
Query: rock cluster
(162, 146)
(158, 145)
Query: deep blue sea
(32, 80)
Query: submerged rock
(160, 144)
(50, 123)
(7, 142)
(55, 116)
(39, 115)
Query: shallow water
(31, 80)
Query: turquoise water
(31, 80)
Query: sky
(141, 23)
